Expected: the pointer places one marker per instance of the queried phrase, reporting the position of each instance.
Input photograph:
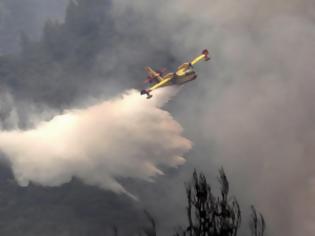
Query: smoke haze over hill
(250, 109)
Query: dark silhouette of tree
(115, 230)
(207, 214)
(151, 229)
(210, 215)
(257, 223)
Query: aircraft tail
(152, 74)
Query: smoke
(251, 110)
(12, 20)
(8, 115)
(125, 137)
(257, 109)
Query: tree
(257, 223)
(209, 215)
(115, 230)
(149, 230)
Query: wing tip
(205, 52)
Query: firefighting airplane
(183, 74)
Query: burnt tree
(257, 223)
(151, 229)
(207, 214)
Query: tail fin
(152, 74)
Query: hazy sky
(251, 109)
(254, 102)
(26, 16)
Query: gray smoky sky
(254, 103)
(27, 17)
(251, 109)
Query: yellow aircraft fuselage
(183, 74)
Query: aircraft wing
(181, 70)
(163, 82)
(204, 56)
